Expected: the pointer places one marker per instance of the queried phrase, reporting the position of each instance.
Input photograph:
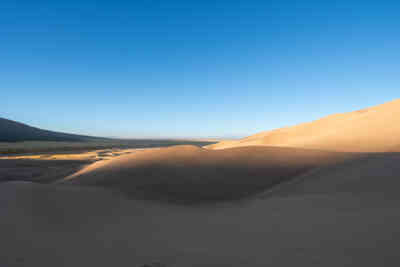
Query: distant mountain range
(12, 131)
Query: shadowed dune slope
(38, 171)
(345, 214)
(375, 129)
(375, 173)
(191, 174)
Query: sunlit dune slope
(192, 174)
(375, 129)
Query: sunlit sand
(103, 154)
(375, 129)
(323, 193)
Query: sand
(100, 154)
(50, 167)
(329, 200)
(314, 222)
(375, 129)
(39, 171)
(191, 174)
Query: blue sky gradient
(193, 68)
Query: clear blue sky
(148, 68)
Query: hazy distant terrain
(17, 137)
(55, 147)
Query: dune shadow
(191, 175)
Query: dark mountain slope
(12, 131)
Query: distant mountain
(12, 131)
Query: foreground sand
(375, 129)
(346, 215)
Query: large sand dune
(300, 206)
(375, 129)
(347, 217)
(193, 174)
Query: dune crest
(375, 129)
